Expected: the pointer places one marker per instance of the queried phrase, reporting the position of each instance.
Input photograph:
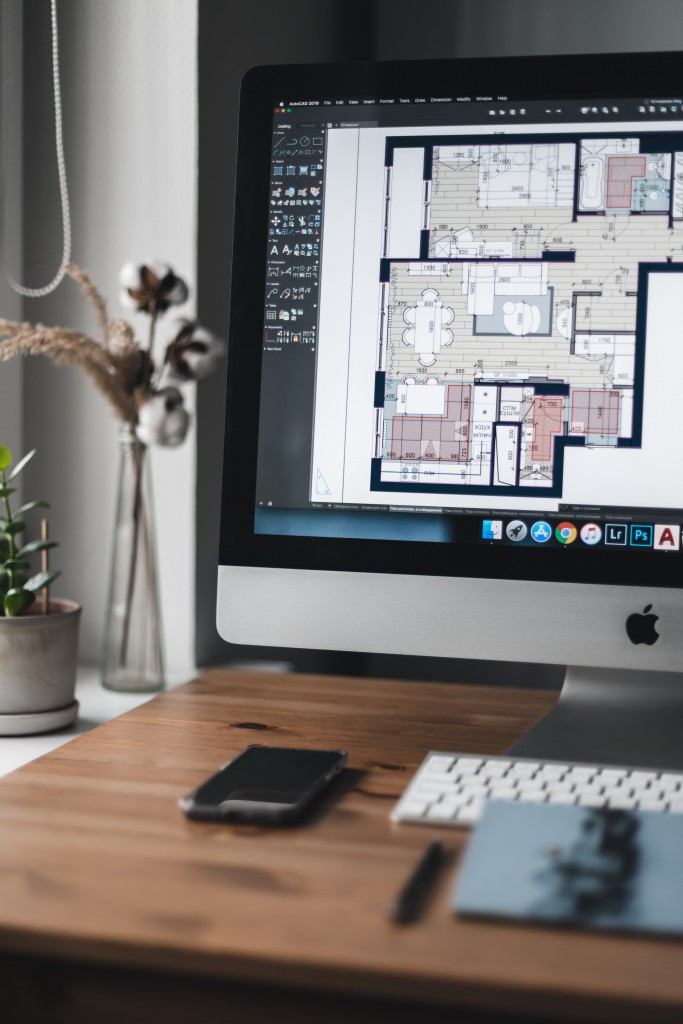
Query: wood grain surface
(99, 868)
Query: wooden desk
(113, 907)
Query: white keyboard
(451, 789)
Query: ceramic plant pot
(38, 655)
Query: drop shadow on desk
(331, 796)
(394, 666)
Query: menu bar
(419, 110)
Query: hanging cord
(37, 293)
(6, 82)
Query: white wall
(129, 93)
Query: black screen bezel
(612, 75)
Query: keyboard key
(530, 785)
(562, 798)
(588, 789)
(439, 763)
(639, 786)
(441, 812)
(414, 808)
(560, 786)
(591, 800)
(533, 796)
(621, 803)
(454, 802)
(470, 814)
(501, 787)
(651, 804)
(525, 768)
(431, 785)
(477, 789)
(434, 773)
(509, 793)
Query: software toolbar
(294, 239)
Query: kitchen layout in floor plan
(514, 289)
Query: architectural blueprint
(512, 320)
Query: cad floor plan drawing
(514, 288)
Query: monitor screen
(465, 322)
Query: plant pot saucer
(31, 722)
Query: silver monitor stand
(612, 716)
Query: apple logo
(641, 628)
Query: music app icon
(591, 534)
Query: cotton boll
(151, 287)
(193, 353)
(162, 419)
(201, 364)
(129, 275)
(127, 300)
(178, 293)
(158, 268)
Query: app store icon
(541, 531)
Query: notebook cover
(576, 867)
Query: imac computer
(455, 384)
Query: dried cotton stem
(70, 348)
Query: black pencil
(409, 901)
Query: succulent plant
(18, 588)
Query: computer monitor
(454, 412)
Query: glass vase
(133, 659)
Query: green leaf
(4, 548)
(21, 463)
(13, 528)
(6, 492)
(5, 458)
(16, 563)
(17, 600)
(30, 505)
(36, 545)
(41, 579)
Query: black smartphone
(264, 785)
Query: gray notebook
(575, 866)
